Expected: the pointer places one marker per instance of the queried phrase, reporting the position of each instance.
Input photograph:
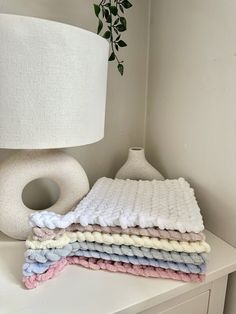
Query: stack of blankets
(144, 228)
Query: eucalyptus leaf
(120, 68)
(117, 21)
(121, 28)
(107, 35)
(121, 8)
(126, 4)
(117, 38)
(100, 26)
(109, 19)
(113, 10)
(96, 9)
(106, 13)
(121, 43)
(112, 57)
(123, 21)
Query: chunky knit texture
(168, 204)
(45, 255)
(145, 228)
(99, 264)
(121, 239)
(30, 268)
(43, 234)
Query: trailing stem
(110, 14)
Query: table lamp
(53, 81)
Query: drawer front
(195, 305)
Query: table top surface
(79, 290)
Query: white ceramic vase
(137, 167)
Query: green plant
(110, 14)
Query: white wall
(126, 95)
(191, 118)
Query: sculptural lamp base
(26, 166)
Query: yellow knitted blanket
(121, 239)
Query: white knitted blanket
(168, 204)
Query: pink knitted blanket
(99, 264)
(42, 234)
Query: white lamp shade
(53, 79)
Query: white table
(81, 291)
